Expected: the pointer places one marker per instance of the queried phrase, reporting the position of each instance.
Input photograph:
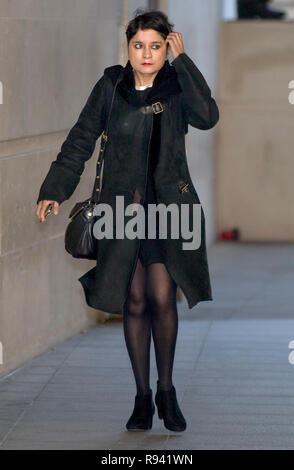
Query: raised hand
(175, 41)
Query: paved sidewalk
(232, 374)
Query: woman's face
(147, 46)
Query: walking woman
(145, 162)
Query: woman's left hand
(176, 43)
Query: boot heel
(159, 409)
(158, 405)
(169, 410)
(150, 422)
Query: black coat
(186, 99)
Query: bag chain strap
(155, 107)
(104, 137)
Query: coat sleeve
(200, 109)
(64, 173)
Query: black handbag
(79, 239)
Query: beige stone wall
(256, 131)
(51, 55)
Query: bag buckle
(184, 187)
(157, 107)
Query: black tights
(151, 306)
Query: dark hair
(149, 19)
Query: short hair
(149, 19)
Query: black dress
(150, 249)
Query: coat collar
(164, 85)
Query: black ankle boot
(169, 410)
(142, 416)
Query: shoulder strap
(104, 137)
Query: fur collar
(165, 83)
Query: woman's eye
(154, 47)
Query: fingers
(175, 37)
(175, 40)
(38, 210)
(55, 208)
(42, 208)
(174, 33)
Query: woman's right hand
(42, 208)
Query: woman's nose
(147, 53)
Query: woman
(145, 162)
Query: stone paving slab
(232, 372)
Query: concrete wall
(51, 54)
(256, 132)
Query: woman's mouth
(146, 63)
